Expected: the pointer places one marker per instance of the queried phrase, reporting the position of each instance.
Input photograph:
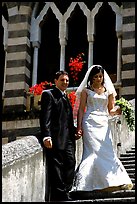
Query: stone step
(128, 162)
(110, 200)
(133, 180)
(81, 195)
(127, 155)
(130, 170)
(131, 175)
(130, 151)
(126, 158)
(116, 200)
(129, 166)
(133, 185)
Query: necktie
(66, 100)
(65, 96)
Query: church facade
(40, 38)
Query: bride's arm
(112, 109)
(83, 100)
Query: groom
(58, 139)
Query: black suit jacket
(56, 119)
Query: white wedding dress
(100, 167)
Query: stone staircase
(128, 160)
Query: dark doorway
(49, 51)
(105, 44)
(77, 40)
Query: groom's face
(62, 82)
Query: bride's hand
(78, 134)
(116, 111)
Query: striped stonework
(22, 40)
(128, 51)
(18, 57)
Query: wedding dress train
(100, 168)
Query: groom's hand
(48, 143)
(78, 134)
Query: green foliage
(127, 111)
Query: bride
(100, 169)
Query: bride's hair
(95, 70)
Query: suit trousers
(60, 172)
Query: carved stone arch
(69, 11)
(36, 22)
(48, 5)
(35, 9)
(75, 20)
(5, 13)
(56, 11)
(35, 31)
(71, 8)
(96, 9)
(118, 13)
(43, 12)
(105, 38)
(118, 28)
(94, 12)
(84, 8)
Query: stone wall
(23, 169)
(19, 47)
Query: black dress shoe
(69, 196)
(66, 197)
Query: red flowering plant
(72, 98)
(38, 88)
(33, 91)
(75, 66)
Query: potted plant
(34, 95)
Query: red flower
(76, 65)
(72, 98)
(38, 88)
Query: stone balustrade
(23, 169)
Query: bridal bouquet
(128, 112)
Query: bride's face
(98, 78)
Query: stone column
(119, 49)
(63, 42)
(5, 44)
(62, 53)
(36, 46)
(90, 36)
(4, 78)
(90, 50)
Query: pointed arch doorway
(49, 51)
(105, 42)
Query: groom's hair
(57, 74)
